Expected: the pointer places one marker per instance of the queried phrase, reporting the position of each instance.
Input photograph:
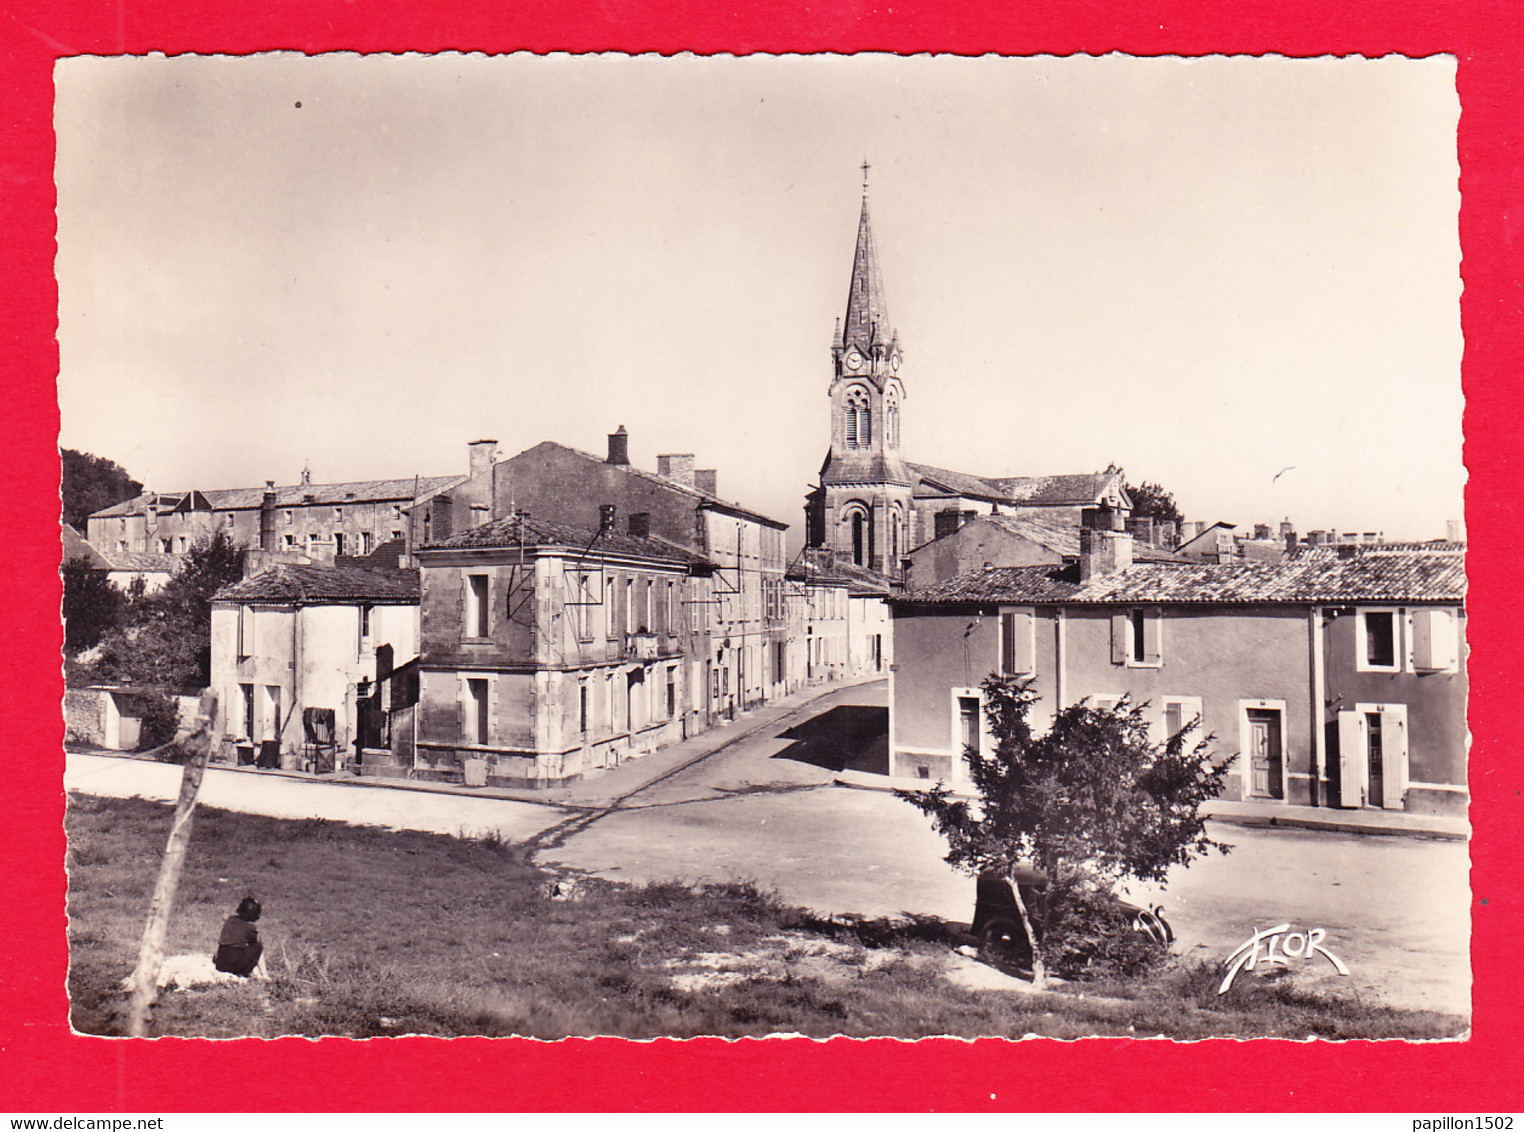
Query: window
(1016, 632)
(859, 426)
(582, 708)
(285, 516)
(338, 514)
(367, 613)
(477, 607)
(338, 542)
(1377, 641)
(671, 690)
(1177, 712)
(610, 625)
(671, 619)
(166, 546)
(582, 600)
(477, 709)
(313, 538)
(365, 547)
(1435, 637)
(227, 520)
(289, 540)
(968, 724)
(629, 605)
(182, 544)
(245, 632)
(396, 536)
(1135, 638)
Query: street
(1394, 909)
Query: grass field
(372, 933)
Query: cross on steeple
(865, 168)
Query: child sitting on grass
(238, 948)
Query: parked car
(997, 920)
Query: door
(1266, 775)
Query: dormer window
(859, 424)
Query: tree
(166, 639)
(92, 483)
(92, 606)
(1091, 802)
(1150, 501)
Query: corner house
(1335, 677)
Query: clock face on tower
(895, 361)
(854, 359)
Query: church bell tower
(861, 510)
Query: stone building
(550, 650)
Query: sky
(1236, 277)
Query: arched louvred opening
(859, 538)
(892, 422)
(859, 423)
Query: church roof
(1059, 536)
(1038, 491)
(867, 321)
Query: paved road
(1395, 909)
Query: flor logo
(1278, 947)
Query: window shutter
(1435, 640)
(1016, 642)
(1119, 637)
(1151, 650)
(1394, 733)
(1352, 760)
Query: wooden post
(145, 979)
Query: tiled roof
(75, 547)
(292, 584)
(530, 531)
(1061, 537)
(292, 495)
(704, 498)
(1085, 488)
(1048, 491)
(859, 580)
(1370, 575)
(144, 562)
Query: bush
(161, 719)
(1086, 934)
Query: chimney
(1103, 551)
(606, 516)
(676, 466)
(640, 524)
(1261, 532)
(481, 454)
(619, 447)
(707, 481)
(1455, 530)
(267, 517)
(1101, 518)
(1142, 529)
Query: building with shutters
(872, 505)
(1334, 677)
(551, 650)
(295, 639)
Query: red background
(45, 1068)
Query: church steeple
(867, 322)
